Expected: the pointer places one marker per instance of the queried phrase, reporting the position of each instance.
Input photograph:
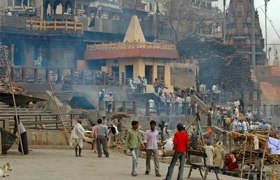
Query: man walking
(101, 136)
(133, 141)
(181, 141)
(77, 137)
(151, 143)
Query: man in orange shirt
(181, 142)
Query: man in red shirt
(181, 142)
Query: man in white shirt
(77, 137)
(144, 83)
(250, 115)
(151, 144)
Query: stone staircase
(64, 96)
(202, 106)
(32, 118)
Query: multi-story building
(239, 27)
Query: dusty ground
(59, 164)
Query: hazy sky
(273, 14)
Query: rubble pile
(4, 78)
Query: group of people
(105, 99)
(138, 85)
(133, 142)
(235, 119)
(177, 104)
(150, 144)
(99, 134)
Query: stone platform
(60, 164)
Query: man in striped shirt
(151, 143)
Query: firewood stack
(4, 78)
(3, 49)
(269, 159)
(120, 116)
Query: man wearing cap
(181, 142)
(219, 155)
(77, 137)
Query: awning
(20, 99)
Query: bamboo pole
(264, 150)
(243, 158)
(199, 127)
(14, 99)
(58, 109)
(251, 153)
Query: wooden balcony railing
(40, 25)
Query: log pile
(3, 51)
(249, 148)
(120, 116)
(4, 78)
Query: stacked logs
(249, 148)
(4, 75)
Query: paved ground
(60, 164)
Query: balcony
(25, 24)
(41, 25)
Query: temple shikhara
(238, 30)
(133, 57)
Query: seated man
(232, 162)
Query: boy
(151, 143)
(181, 141)
(133, 141)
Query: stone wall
(46, 137)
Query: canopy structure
(7, 98)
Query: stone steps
(64, 97)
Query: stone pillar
(177, 108)
(28, 49)
(167, 74)
(124, 106)
(184, 108)
(12, 55)
(114, 107)
(154, 72)
(35, 75)
(264, 109)
(147, 109)
(139, 68)
(134, 107)
(168, 108)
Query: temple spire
(134, 31)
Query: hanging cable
(270, 21)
